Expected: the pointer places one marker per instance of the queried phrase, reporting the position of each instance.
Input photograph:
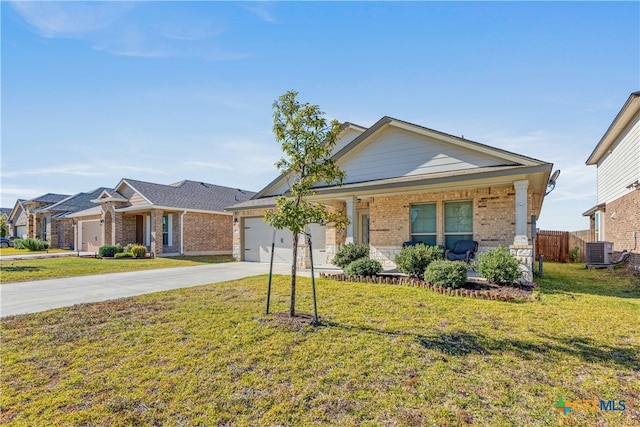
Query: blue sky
(165, 91)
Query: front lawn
(52, 268)
(384, 355)
(14, 251)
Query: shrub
(109, 251)
(123, 255)
(450, 274)
(498, 266)
(414, 260)
(574, 254)
(363, 267)
(138, 251)
(32, 244)
(349, 253)
(17, 244)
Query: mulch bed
(295, 323)
(474, 288)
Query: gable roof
(489, 157)
(77, 202)
(625, 117)
(445, 137)
(48, 198)
(6, 211)
(18, 207)
(187, 194)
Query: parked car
(6, 242)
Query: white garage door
(90, 235)
(21, 231)
(318, 233)
(258, 236)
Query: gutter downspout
(182, 231)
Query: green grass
(51, 268)
(14, 251)
(384, 355)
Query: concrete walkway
(42, 295)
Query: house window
(458, 222)
(599, 226)
(167, 226)
(423, 223)
(44, 228)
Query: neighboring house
(187, 217)
(17, 220)
(408, 183)
(39, 220)
(7, 212)
(57, 228)
(616, 217)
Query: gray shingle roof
(191, 194)
(76, 203)
(6, 211)
(49, 198)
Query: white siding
(346, 137)
(621, 166)
(396, 152)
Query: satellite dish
(552, 182)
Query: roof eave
(626, 115)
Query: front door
(363, 227)
(139, 229)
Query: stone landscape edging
(403, 280)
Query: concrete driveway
(41, 295)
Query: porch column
(351, 213)
(156, 232)
(521, 212)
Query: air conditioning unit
(599, 252)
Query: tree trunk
(294, 264)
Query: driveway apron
(41, 295)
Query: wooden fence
(556, 245)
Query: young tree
(4, 227)
(307, 140)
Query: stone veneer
(524, 254)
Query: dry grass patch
(383, 355)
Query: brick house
(17, 220)
(51, 222)
(408, 183)
(616, 217)
(187, 217)
(34, 219)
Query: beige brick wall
(619, 230)
(206, 232)
(493, 215)
(156, 232)
(493, 219)
(63, 237)
(126, 230)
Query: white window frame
(456, 233)
(169, 231)
(433, 234)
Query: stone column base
(524, 254)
